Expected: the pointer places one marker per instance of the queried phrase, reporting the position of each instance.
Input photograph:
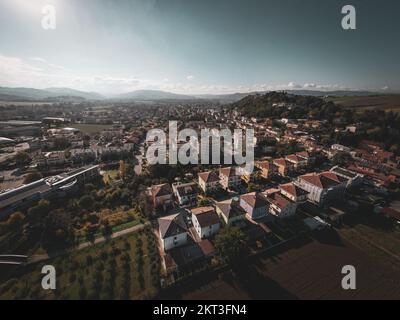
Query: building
(255, 205)
(293, 192)
(208, 181)
(161, 196)
(205, 221)
(229, 178)
(280, 206)
(26, 195)
(185, 193)
(230, 211)
(284, 167)
(322, 188)
(297, 161)
(354, 178)
(268, 169)
(173, 231)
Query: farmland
(124, 268)
(383, 102)
(308, 270)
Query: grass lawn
(90, 128)
(124, 268)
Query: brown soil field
(389, 102)
(310, 269)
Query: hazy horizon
(200, 47)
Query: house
(255, 204)
(173, 231)
(293, 192)
(230, 211)
(185, 193)
(284, 167)
(354, 178)
(323, 187)
(297, 161)
(268, 169)
(208, 181)
(280, 206)
(205, 221)
(229, 178)
(161, 196)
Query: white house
(280, 206)
(322, 187)
(293, 192)
(255, 204)
(205, 221)
(208, 181)
(185, 193)
(173, 231)
(353, 177)
(229, 178)
(230, 211)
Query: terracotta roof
(186, 188)
(229, 171)
(172, 225)
(293, 158)
(254, 199)
(292, 189)
(161, 190)
(230, 208)
(319, 180)
(208, 176)
(279, 200)
(206, 247)
(265, 165)
(206, 216)
(280, 162)
(303, 154)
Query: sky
(200, 46)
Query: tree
(32, 176)
(341, 158)
(231, 243)
(86, 202)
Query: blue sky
(192, 46)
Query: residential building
(185, 193)
(229, 178)
(205, 221)
(161, 196)
(268, 169)
(208, 181)
(323, 187)
(284, 167)
(230, 211)
(280, 206)
(293, 192)
(255, 205)
(173, 231)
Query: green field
(90, 128)
(124, 268)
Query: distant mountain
(149, 95)
(75, 93)
(68, 94)
(50, 94)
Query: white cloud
(38, 59)
(38, 73)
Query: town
(78, 191)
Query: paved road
(43, 257)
